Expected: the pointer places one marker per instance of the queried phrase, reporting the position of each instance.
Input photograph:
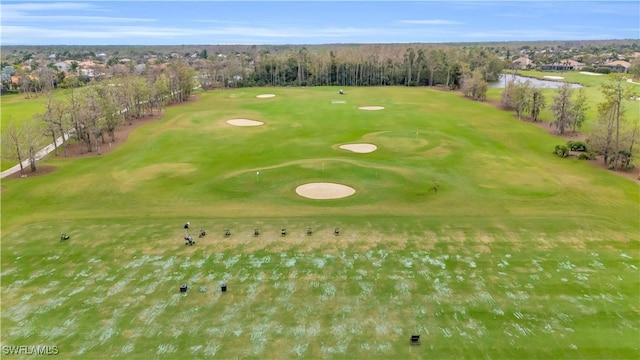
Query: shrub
(587, 156)
(603, 70)
(625, 160)
(577, 146)
(561, 150)
(589, 69)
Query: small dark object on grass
(202, 233)
(227, 232)
(283, 231)
(189, 240)
(64, 237)
(256, 232)
(309, 232)
(415, 339)
(336, 232)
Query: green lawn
(519, 254)
(593, 90)
(15, 108)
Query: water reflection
(539, 83)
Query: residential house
(563, 65)
(523, 63)
(140, 68)
(617, 66)
(62, 66)
(88, 63)
(88, 72)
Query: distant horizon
(297, 23)
(324, 44)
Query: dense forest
(364, 66)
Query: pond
(539, 83)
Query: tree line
(359, 66)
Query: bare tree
(12, 143)
(25, 83)
(409, 57)
(32, 138)
(51, 129)
(474, 86)
(111, 115)
(507, 99)
(601, 137)
(562, 108)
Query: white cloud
(67, 12)
(430, 22)
(31, 34)
(18, 17)
(43, 6)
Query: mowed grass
(519, 254)
(592, 85)
(15, 109)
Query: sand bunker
(590, 73)
(323, 191)
(371, 108)
(244, 122)
(338, 102)
(554, 77)
(263, 96)
(359, 148)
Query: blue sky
(309, 22)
